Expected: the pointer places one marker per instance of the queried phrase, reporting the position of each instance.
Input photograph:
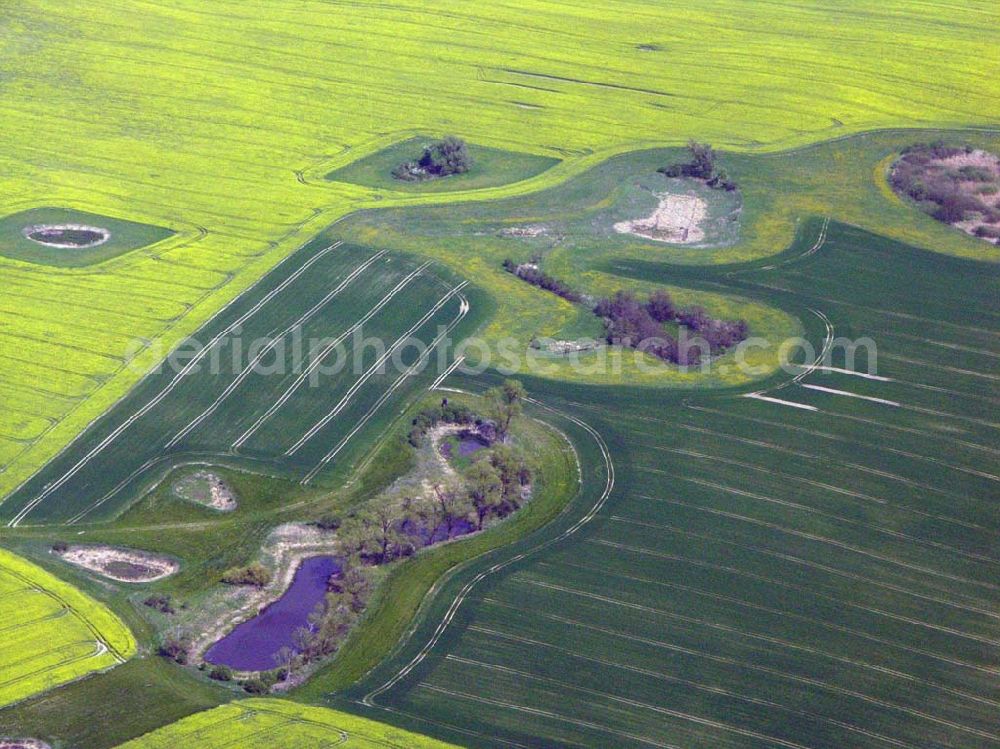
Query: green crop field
(224, 132)
(269, 723)
(265, 408)
(810, 563)
(52, 633)
(778, 559)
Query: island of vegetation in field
(123, 565)
(277, 617)
(443, 158)
(206, 488)
(423, 164)
(957, 185)
(68, 237)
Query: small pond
(462, 445)
(252, 645)
(71, 236)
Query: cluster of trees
(446, 413)
(949, 195)
(253, 574)
(493, 486)
(444, 158)
(533, 275)
(701, 166)
(629, 322)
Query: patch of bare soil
(208, 489)
(525, 231)
(677, 220)
(6, 743)
(123, 565)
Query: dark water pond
(252, 645)
(68, 236)
(467, 444)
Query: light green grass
(278, 723)
(171, 118)
(52, 632)
(491, 167)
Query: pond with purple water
(252, 645)
(459, 448)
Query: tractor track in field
(369, 699)
(195, 360)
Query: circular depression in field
(67, 236)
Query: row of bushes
(530, 273)
(446, 413)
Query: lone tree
(505, 404)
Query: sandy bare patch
(123, 565)
(208, 489)
(6, 743)
(677, 220)
(525, 231)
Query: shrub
(253, 574)
(701, 166)
(448, 156)
(176, 649)
(256, 685)
(161, 603)
(950, 210)
(975, 173)
(221, 673)
(661, 307)
(60, 547)
(327, 523)
(987, 232)
(536, 277)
